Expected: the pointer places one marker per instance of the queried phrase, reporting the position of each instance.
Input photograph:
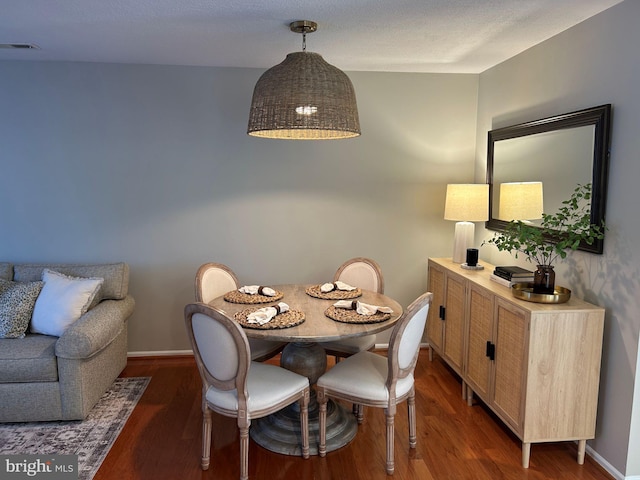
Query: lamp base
(463, 239)
(475, 267)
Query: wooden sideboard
(536, 366)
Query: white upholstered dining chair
(216, 279)
(363, 273)
(367, 378)
(234, 386)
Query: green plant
(563, 231)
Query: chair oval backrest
(361, 272)
(404, 343)
(219, 345)
(216, 346)
(213, 280)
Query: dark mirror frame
(600, 118)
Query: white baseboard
(608, 467)
(385, 346)
(160, 353)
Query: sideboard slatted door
(454, 325)
(435, 325)
(510, 367)
(479, 366)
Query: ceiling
(452, 36)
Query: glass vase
(544, 280)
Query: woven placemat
(290, 318)
(345, 315)
(315, 291)
(235, 296)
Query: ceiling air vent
(26, 46)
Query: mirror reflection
(559, 159)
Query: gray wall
(152, 165)
(594, 63)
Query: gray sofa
(61, 378)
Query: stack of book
(510, 274)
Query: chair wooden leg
(322, 422)
(360, 413)
(244, 452)
(390, 441)
(411, 403)
(304, 423)
(206, 437)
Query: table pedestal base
(280, 432)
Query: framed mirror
(561, 152)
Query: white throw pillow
(62, 301)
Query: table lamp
(464, 204)
(520, 201)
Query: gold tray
(524, 291)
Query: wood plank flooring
(162, 438)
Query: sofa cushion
(6, 271)
(17, 301)
(30, 359)
(116, 276)
(62, 301)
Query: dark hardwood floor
(162, 438)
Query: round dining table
(305, 355)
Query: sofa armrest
(96, 329)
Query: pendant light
(304, 98)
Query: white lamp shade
(467, 202)
(520, 201)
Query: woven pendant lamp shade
(304, 98)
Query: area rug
(90, 439)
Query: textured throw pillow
(62, 301)
(17, 300)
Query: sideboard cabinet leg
(526, 453)
(582, 447)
